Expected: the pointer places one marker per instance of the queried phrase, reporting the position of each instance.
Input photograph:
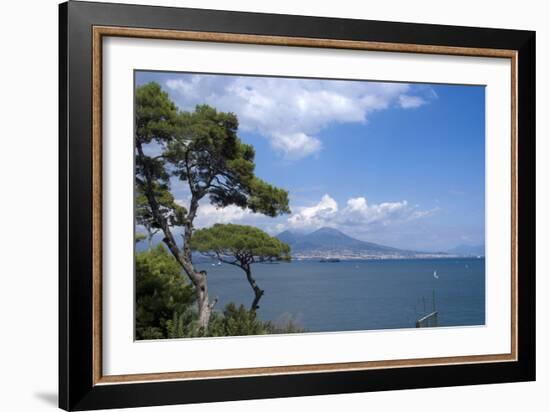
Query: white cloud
(411, 102)
(314, 216)
(357, 218)
(423, 213)
(291, 112)
(208, 214)
(357, 215)
(296, 145)
(358, 211)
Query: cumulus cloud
(356, 217)
(209, 214)
(295, 145)
(357, 213)
(292, 112)
(314, 216)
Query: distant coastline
(424, 256)
(328, 243)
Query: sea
(358, 294)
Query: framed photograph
(256, 205)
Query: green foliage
(233, 321)
(210, 157)
(176, 327)
(175, 214)
(237, 321)
(140, 237)
(267, 199)
(241, 246)
(202, 149)
(156, 114)
(244, 244)
(183, 325)
(149, 332)
(156, 122)
(287, 325)
(161, 291)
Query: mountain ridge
(328, 242)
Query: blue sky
(393, 163)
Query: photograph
(285, 205)
(266, 204)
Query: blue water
(358, 295)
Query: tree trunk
(204, 305)
(188, 228)
(198, 279)
(149, 240)
(201, 285)
(258, 293)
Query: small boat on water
(329, 260)
(436, 276)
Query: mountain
(332, 243)
(468, 250)
(327, 238)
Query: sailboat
(435, 274)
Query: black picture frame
(77, 390)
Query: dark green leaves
(167, 206)
(160, 291)
(267, 199)
(246, 244)
(202, 149)
(155, 114)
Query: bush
(236, 321)
(184, 325)
(161, 291)
(165, 305)
(285, 325)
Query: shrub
(161, 291)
